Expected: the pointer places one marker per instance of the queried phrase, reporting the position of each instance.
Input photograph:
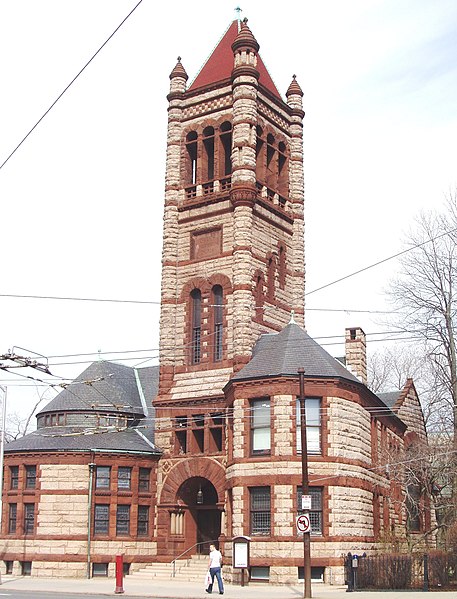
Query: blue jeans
(216, 572)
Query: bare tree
(425, 297)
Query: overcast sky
(82, 198)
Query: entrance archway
(203, 524)
(187, 522)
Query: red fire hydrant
(119, 574)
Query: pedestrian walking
(215, 569)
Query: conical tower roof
(219, 65)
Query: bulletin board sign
(241, 552)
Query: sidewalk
(191, 590)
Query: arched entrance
(191, 507)
(203, 514)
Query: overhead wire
(69, 85)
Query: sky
(82, 197)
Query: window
(123, 520)
(217, 307)
(181, 434)
(12, 518)
(215, 432)
(144, 478)
(208, 144)
(282, 266)
(14, 477)
(143, 521)
(196, 298)
(413, 516)
(260, 426)
(260, 505)
(315, 513)
(29, 518)
(259, 295)
(225, 167)
(271, 273)
(26, 568)
(260, 573)
(101, 519)
(100, 569)
(30, 477)
(124, 475)
(313, 425)
(191, 146)
(102, 477)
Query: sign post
(305, 488)
(240, 555)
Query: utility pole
(305, 485)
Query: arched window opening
(191, 166)
(218, 323)
(260, 155)
(225, 167)
(283, 178)
(259, 294)
(271, 170)
(271, 270)
(282, 266)
(196, 298)
(208, 144)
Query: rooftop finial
(238, 11)
(292, 319)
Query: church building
(156, 463)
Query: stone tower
(232, 263)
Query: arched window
(260, 156)
(272, 168)
(259, 296)
(225, 161)
(218, 323)
(208, 144)
(282, 265)
(271, 272)
(196, 298)
(191, 165)
(283, 175)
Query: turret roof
(219, 65)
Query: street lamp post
(305, 485)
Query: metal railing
(173, 562)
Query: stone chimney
(356, 352)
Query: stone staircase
(192, 569)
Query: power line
(70, 84)
(77, 299)
(352, 274)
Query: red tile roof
(220, 64)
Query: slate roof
(104, 388)
(219, 65)
(282, 354)
(390, 399)
(62, 438)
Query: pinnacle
(245, 38)
(179, 71)
(294, 88)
